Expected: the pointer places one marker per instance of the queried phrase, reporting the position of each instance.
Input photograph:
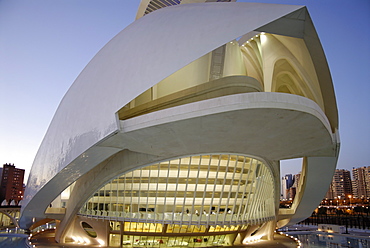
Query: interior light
(263, 38)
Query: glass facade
(202, 194)
(179, 241)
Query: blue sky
(45, 44)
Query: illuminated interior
(203, 194)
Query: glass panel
(115, 225)
(114, 240)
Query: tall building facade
(341, 184)
(330, 193)
(174, 132)
(286, 183)
(289, 186)
(11, 184)
(293, 190)
(361, 182)
(296, 179)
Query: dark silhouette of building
(11, 184)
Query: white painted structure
(179, 82)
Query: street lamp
(349, 196)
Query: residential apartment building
(286, 183)
(341, 184)
(361, 182)
(11, 188)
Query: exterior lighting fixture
(101, 242)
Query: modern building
(296, 179)
(293, 190)
(286, 183)
(361, 182)
(11, 192)
(341, 185)
(290, 193)
(173, 133)
(289, 186)
(329, 194)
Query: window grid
(236, 190)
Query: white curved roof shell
(140, 56)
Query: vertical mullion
(117, 198)
(260, 193)
(124, 197)
(156, 193)
(98, 202)
(264, 195)
(256, 194)
(185, 192)
(222, 189)
(268, 187)
(250, 190)
(272, 182)
(214, 184)
(110, 200)
(196, 189)
(205, 188)
(230, 190)
(147, 193)
(176, 189)
(165, 193)
(103, 208)
(132, 191)
(104, 198)
(238, 189)
(139, 192)
(242, 204)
